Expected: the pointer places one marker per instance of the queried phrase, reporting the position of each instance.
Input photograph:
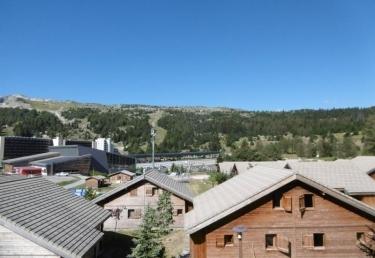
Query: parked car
(62, 174)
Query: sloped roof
(159, 179)
(58, 160)
(246, 188)
(365, 163)
(271, 164)
(339, 174)
(31, 157)
(244, 166)
(126, 172)
(49, 215)
(226, 166)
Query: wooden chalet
(277, 213)
(128, 201)
(95, 182)
(121, 177)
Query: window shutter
(302, 203)
(220, 241)
(282, 243)
(287, 203)
(174, 212)
(308, 241)
(149, 191)
(137, 213)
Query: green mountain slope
(238, 133)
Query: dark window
(270, 241)
(134, 213)
(228, 240)
(360, 235)
(179, 212)
(318, 240)
(276, 200)
(154, 191)
(309, 201)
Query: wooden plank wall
(14, 245)
(339, 224)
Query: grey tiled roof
(50, 216)
(246, 188)
(126, 172)
(365, 163)
(159, 179)
(339, 174)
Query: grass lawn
(119, 244)
(199, 186)
(174, 243)
(67, 182)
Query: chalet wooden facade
(127, 203)
(281, 214)
(121, 177)
(95, 182)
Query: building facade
(128, 202)
(121, 177)
(292, 217)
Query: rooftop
(159, 179)
(246, 188)
(49, 215)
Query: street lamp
(239, 230)
(153, 134)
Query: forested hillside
(240, 135)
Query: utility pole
(153, 134)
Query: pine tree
(90, 194)
(165, 213)
(148, 242)
(369, 136)
(2, 130)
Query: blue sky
(256, 55)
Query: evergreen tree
(217, 177)
(165, 213)
(348, 148)
(2, 130)
(369, 136)
(148, 241)
(90, 194)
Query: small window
(219, 242)
(119, 177)
(179, 212)
(309, 203)
(360, 235)
(276, 203)
(134, 192)
(149, 191)
(228, 240)
(318, 240)
(154, 191)
(270, 241)
(134, 213)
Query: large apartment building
(277, 213)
